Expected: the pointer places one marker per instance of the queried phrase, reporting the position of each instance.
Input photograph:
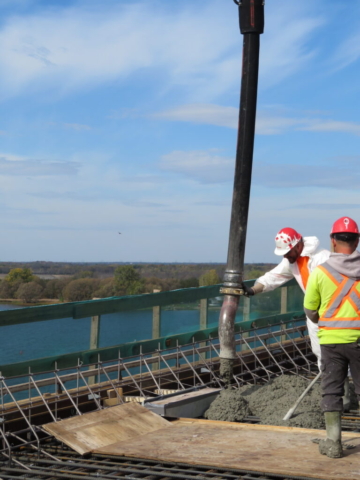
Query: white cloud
(210, 114)
(266, 124)
(348, 52)
(347, 49)
(17, 166)
(332, 126)
(88, 46)
(203, 166)
(286, 47)
(202, 113)
(209, 167)
(68, 48)
(338, 173)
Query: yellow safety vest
(346, 291)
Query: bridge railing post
(246, 318)
(156, 326)
(94, 340)
(284, 308)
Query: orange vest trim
(328, 274)
(346, 291)
(337, 328)
(335, 297)
(302, 263)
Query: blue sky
(121, 116)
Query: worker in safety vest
(332, 300)
(301, 256)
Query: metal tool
(291, 412)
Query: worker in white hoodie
(301, 255)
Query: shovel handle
(290, 413)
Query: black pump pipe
(251, 18)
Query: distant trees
(19, 275)
(128, 281)
(22, 284)
(254, 273)
(189, 282)
(106, 288)
(29, 292)
(80, 289)
(54, 288)
(78, 282)
(6, 290)
(209, 278)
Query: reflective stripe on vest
(302, 263)
(346, 291)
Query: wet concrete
(271, 402)
(226, 370)
(229, 406)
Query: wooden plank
(112, 393)
(278, 450)
(102, 428)
(273, 428)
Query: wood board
(279, 450)
(102, 428)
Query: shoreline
(19, 303)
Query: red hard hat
(345, 225)
(285, 240)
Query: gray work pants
(335, 361)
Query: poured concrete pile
(271, 402)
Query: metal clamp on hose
(231, 291)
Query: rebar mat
(72, 466)
(27, 402)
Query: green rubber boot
(332, 445)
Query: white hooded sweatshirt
(285, 271)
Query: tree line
(28, 287)
(164, 271)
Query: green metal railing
(286, 304)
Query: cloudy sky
(121, 116)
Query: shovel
(291, 412)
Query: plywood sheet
(102, 428)
(281, 450)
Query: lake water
(66, 335)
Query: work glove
(248, 291)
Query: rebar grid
(73, 466)
(262, 354)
